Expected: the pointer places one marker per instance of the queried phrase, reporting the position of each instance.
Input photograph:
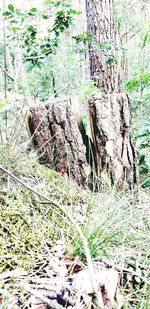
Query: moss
(26, 221)
(24, 224)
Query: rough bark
(100, 21)
(112, 136)
(110, 113)
(55, 132)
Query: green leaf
(104, 46)
(147, 160)
(7, 14)
(45, 16)
(146, 182)
(87, 127)
(111, 60)
(15, 29)
(74, 12)
(49, 2)
(11, 8)
(33, 11)
(3, 105)
(132, 85)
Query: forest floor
(49, 227)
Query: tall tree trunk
(100, 21)
(110, 114)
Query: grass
(117, 227)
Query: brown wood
(57, 135)
(112, 136)
(110, 115)
(100, 21)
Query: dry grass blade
(78, 229)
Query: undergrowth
(117, 227)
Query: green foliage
(88, 90)
(143, 149)
(15, 17)
(145, 34)
(140, 105)
(85, 38)
(29, 42)
(108, 49)
(63, 20)
(34, 48)
(49, 46)
(4, 105)
(139, 87)
(104, 46)
(40, 82)
(82, 42)
(139, 82)
(111, 60)
(58, 3)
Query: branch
(128, 32)
(3, 69)
(96, 290)
(132, 36)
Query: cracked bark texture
(112, 136)
(100, 22)
(55, 132)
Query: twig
(19, 272)
(7, 73)
(97, 292)
(39, 295)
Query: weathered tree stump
(62, 142)
(57, 136)
(110, 119)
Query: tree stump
(57, 136)
(64, 147)
(110, 119)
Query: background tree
(103, 51)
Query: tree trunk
(110, 115)
(9, 64)
(20, 73)
(55, 132)
(112, 136)
(102, 53)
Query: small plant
(87, 90)
(143, 149)
(139, 82)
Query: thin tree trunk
(20, 73)
(9, 64)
